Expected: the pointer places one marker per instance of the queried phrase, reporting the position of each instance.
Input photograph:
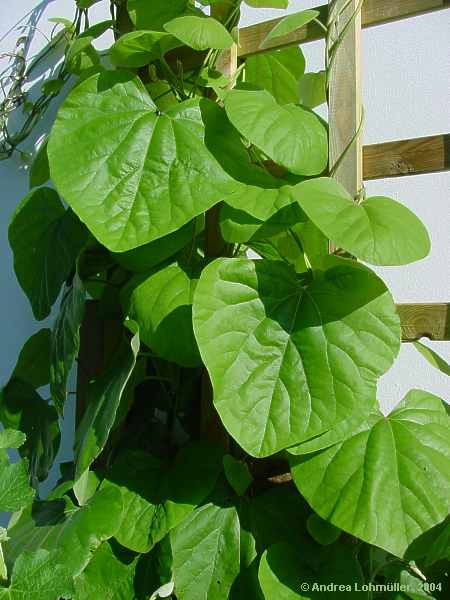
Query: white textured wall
(406, 94)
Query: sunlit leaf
(290, 357)
(380, 230)
(389, 483)
(136, 175)
(432, 357)
(200, 33)
(313, 89)
(290, 23)
(278, 72)
(290, 135)
(206, 544)
(139, 48)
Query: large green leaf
(288, 357)
(161, 303)
(65, 340)
(285, 573)
(104, 395)
(205, 549)
(290, 23)
(389, 483)
(153, 15)
(136, 174)
(15, 491)
(200, 33)
(72, 534)
(379, 230)
(107, 576)
(278, 72)
(35, 576)
(292, 136)
(139, 48)
(33, 364)
(157, 497)
(22, 408)
(46, 240)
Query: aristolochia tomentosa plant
(173, 173)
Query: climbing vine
(229, 442)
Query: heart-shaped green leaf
(46, 240)
(161, 304)
(136, 174)
(292, 136)
(389, 483)
(139, 48)
(206, 544)
(200, 33)
(379, 230)
(288, 357)
(277, 72)
(290, 23)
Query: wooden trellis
(391, 159)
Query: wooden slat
(374, 12)
(407, 157)
(424, 320)
(345, 97)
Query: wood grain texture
(407, 157)
(345, 97)
(424, 320)
(374, 12)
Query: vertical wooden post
(345, 94)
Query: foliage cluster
(219, 372)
